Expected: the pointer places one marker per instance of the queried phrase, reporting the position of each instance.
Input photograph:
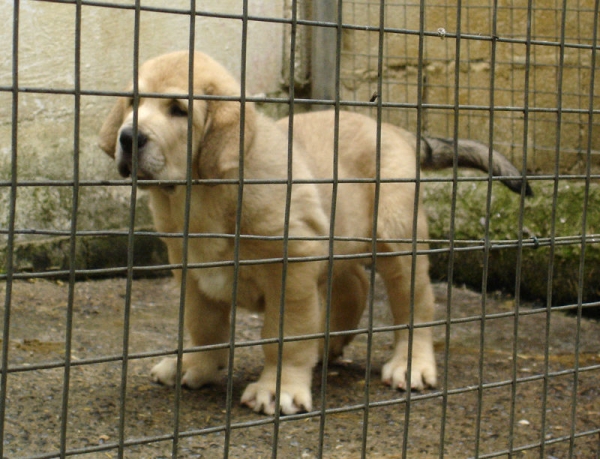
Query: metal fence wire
(89, 306)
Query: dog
(284, 222)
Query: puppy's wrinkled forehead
(165, 83)
(149, 86)
(164, 75)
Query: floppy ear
(110, 128)
(220, 146)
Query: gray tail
(437, 153)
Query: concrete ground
(460, 417)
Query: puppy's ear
(110, 128)
(220, 146)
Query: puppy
(284, 244)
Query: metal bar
(324, 50)
(333, 209)
(470, 246)
(185, 242)
(279, 100)
(130, 239)
(363, 331)
(248, 424)
(11, 222)
(452, 230)
(374, 236)
(421, 117)
(324, 23)
(584, 230)
(519, 260)
(286, 236)
(553, 232)
(238, 230)
(486, 255)
(64, 417)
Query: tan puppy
(161, 148)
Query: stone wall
(491, 72)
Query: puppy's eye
(177, 110)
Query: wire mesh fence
(89, 306)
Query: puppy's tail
(437, 153)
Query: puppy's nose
(126, 139)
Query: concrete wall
(46, 121)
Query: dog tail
(438, 153)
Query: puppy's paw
(193, 376)
(293, 398)
(165, 372)
(423, 372)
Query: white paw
(293, 398)
(423, 371)
(193, 376)
(165, 372)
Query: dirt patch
(487, 401)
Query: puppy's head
(157, 133)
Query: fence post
(323, 53)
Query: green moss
(529, 265)
(91, 253)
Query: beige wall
(438, 77)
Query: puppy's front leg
(207, 323)
(301, 317)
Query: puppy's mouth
(124, 169)
(125, 172)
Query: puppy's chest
(218, 283)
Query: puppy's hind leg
(396, 273)
(348, 300)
